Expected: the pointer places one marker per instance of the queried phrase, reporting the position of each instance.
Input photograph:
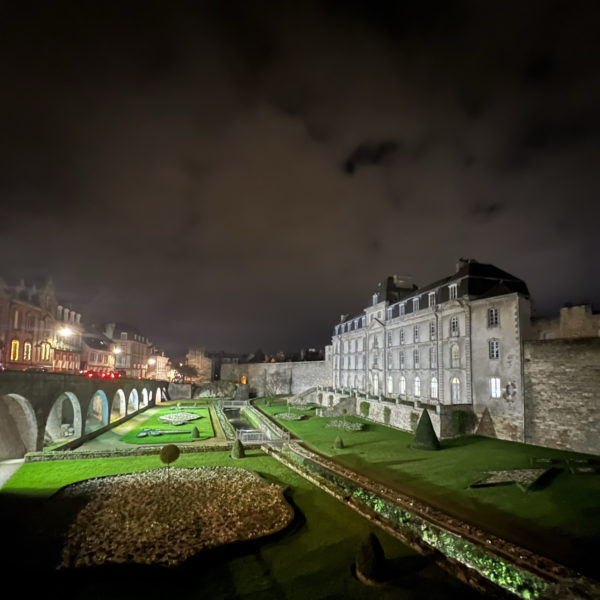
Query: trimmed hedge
(425, 437)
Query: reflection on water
(233, 414)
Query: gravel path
(139, 518)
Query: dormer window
(374, 299)
(123, 335)
(453, 288)
(402, 309)
(415, 304)
(431, 299)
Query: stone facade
(279, 378)
(196, 357)
(573, 322)
(562, 409)
(456, 342)
(132, 349)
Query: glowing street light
(117, 350)
(151, 361)
(66, 332)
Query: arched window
(14, 350)
(434, 388)
(390, 385)
(403, 385)
(27, 351)
(417, 386)
(454, 356)
(45, 351)
(455, 390)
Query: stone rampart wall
(562, 394)
(280, 378)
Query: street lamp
(66, 331)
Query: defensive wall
(562, 394)
(40, 409)
(280, 378)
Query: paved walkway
(8, 467)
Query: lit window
(455, 356)
(402, 360)
(45, 347)
(454, 326)
(14, 350)
(432, 358)
(492, 315)
(431, 299)
(416, 333)
(416, 359)
(494, 348)
(453, 288)
(455, 390)
(390, 385)
(415, 304)
(495, 389)
(27, 351)
(417, 386)
(434, 388)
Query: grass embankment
(562, 519)
(311, 559)
(203, 423)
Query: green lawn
(153, 422)
(312, 559)
(562, 519)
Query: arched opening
(64, 419)
(18, 426)
(133, 402)
(97, 413)
(144, 398)
(119, 406)
(455, 390)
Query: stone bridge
(47, 409)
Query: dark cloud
(178, 165)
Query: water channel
(238, 422)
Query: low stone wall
(179, 391)
(562, 388)
(280, 378)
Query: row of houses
(37, 332)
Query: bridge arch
(144, 398)
(97, 412)
(133, 402)
(18, 426)
(119, 406)
(64, 420)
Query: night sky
(236, 175)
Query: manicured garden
(562, 518)
(310, 559)
(181, 433)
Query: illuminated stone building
(98, 352)
(132, 349)
(454, 345)
(35, 330)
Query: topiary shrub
(425, 437)
(364, 409)
(370, 561)
(169, 453)
(339, 443)
(237, 450)
(195, 434)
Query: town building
(36, 332)
(196, 357)
(132, 349)
(454, 345)
(98, 352)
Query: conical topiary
(425, 437)
(370, 560)
(339, 443)
(195, 434)
(237, 451)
